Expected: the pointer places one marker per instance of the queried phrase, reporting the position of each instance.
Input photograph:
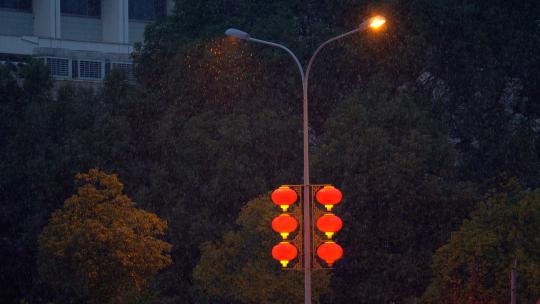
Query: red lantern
(330, 252)
(284, 252)
(329, 224)
(284, 224)
(284, 197)
(329, 196)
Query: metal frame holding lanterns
(290, 205)
(323, 228)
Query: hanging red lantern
(284, 224)
(284, 252)
(284, 197)
(330, 252)
(329, 224)
(329, 196)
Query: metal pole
(513, 283)
(306, 188)
(307, 207)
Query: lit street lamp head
(237, 34)
(373, 23)
(376, 22)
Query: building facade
(79, 40)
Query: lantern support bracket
(317, 239)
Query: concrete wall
(136, 31)
(81, 28)
(47, 18)
(14, 23)
(114, 15)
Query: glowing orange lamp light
(284, 252)
(376, 22)
(329, 196)
(284, 224)
(329, 224)
(284, 197)
(330, 252)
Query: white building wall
(46, 33)
(136, 31)
(114, 15)
(14, 23)
(46, 18)
(81, 28)
(31, 46)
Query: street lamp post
(374, 23)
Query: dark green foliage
(396, 169)
(213, 123)
(475, 265)
(484, 54)
(239, 268)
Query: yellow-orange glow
(377, 22)
(329, 207)
(329, 234)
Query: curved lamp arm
(286, 49)
(364, 26)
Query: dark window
(147, 9)
(91, 8)
(74, 69)
(25, 5)
(58, 66)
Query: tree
(395, 166)
(10, 104)
(483, 55)
(475, 265)
(239, 268)
(99, 248)
(28, 158)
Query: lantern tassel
(329, 234)
(329, 207)
(284, 207)
(284, 263)
(284, 235)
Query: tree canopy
(99, 248)
(475, 265)
(239, 267)
(415, 123)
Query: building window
(58, 67)
(90, 69)
(147, 9)
(123, 67)
(89, 8)
(23, 5)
